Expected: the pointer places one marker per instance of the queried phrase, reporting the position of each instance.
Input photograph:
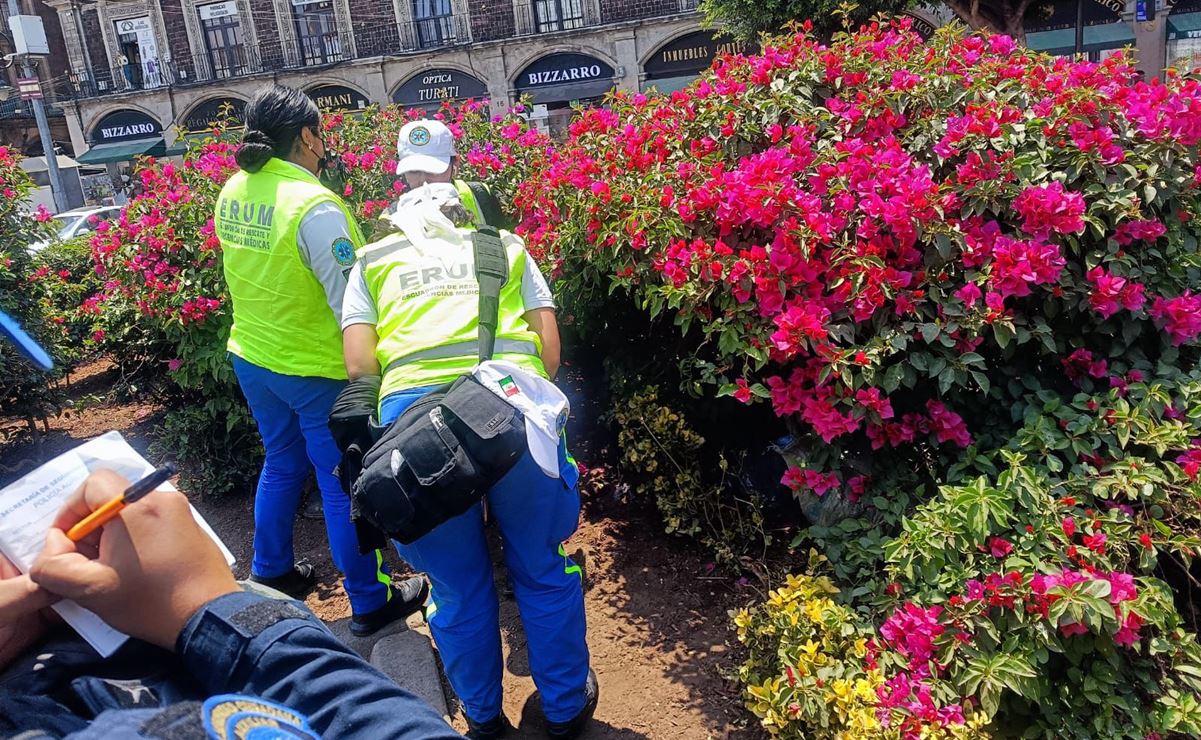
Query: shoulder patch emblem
(419, 136)
(343, 251)
(235, 717)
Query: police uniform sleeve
(327, 247)
(244, 643)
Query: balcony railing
(270, 55)
(549, 16)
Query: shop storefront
(1184, 36)
(337, 98)
(430, 88)
(1053, 30)
(557, 82)
(225, 112)
(677, 63)
(921, 26)
(138, 60)
(122, 136)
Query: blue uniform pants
(292, 414)
(535, 513)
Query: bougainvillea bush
(499, 150)
(25, 391)
(164, 312)
(964, 276)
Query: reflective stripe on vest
(464, 349)
(281, 318)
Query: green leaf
(930, 332)
(982, 381)
(1002, 335)
(945, 379)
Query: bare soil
(657, 616)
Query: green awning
(1096, 38)
(1184, 26)
(123, 151)
(668, 85)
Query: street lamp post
(39, 115)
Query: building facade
(140, 72)
(145, 71)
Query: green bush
(213, 459)
(26, 392)
(966, 278)
(673, 465)
(70, 280)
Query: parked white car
(76, 223)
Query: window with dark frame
(435, 23)
(226, 50)
(558, 15)
(317, 33)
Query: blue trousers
(535, 513)
(292, 414)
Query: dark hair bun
(257, 147)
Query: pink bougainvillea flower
(1082, 363)
(1190, 461)
(1073, 628)
(1180, 317)
(969, 294)
(1111, 293)
(1050, 209)
(1069, 527)
(1000, 547)
(1018, 265)
(1129, 232)
(946, 425)
(1095, 542)
(1128, 634)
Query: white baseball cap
(541, 402)
(424, 146)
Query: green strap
(491, 272)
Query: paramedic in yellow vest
(288, 244)
(411, 314)
(426, 151)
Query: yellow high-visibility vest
(428, 310)
(282, 321)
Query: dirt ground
(657, 618)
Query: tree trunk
(997, 16)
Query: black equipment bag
(448, 449)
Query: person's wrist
(187, 602)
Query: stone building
(146, 70)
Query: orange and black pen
(110, 509)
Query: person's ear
(312, 141)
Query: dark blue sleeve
(246, 644)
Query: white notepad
(28, 508)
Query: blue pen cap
(25, 343)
